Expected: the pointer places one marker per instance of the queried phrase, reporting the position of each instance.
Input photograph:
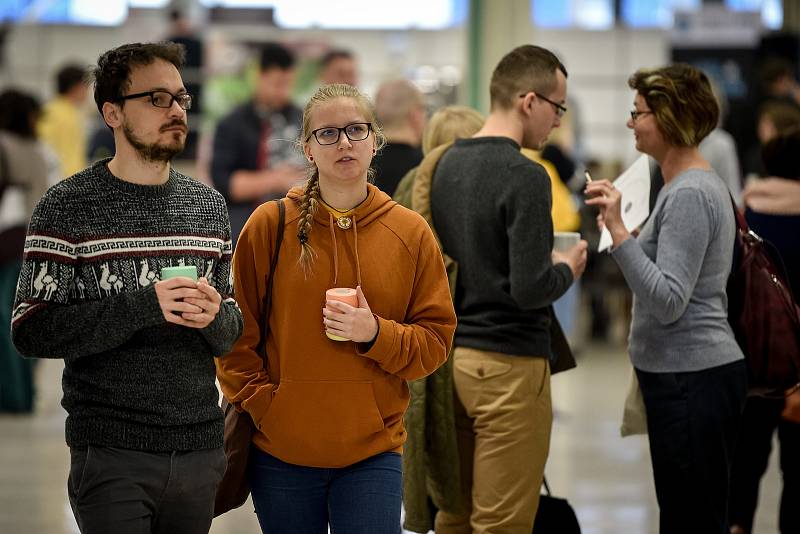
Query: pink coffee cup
(342, 294)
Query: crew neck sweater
(491, 209)
(86, 294)
(677, 269)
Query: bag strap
(546, 487)
(262, 343)
(741, 222)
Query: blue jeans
(363, 498)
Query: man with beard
(144, 427)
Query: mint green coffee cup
(188, 271)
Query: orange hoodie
(324, 403)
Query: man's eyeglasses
(635, 114)
(329, 135)
(163, 99)
(560, 109)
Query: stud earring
(311, 158)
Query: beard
(155, 152)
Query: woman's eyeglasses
(329, 135)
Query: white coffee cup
(565, 240)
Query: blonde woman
(329, 413)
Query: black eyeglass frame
(339, 133)
(561, 110)
(173, 99)
(635, 113)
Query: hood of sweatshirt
(369, 210)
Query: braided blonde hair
(309, 201)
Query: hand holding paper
(624, 205)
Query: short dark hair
(333, 55)
(112, 73)
(774, 69)
(681, 99)
(780, 154)
(276, 55)
(68, 77)
(19, 112)
(526, 68)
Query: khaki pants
(503, 422)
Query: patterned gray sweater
(86, 293)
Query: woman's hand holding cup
(347, 316)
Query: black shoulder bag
(233, 490)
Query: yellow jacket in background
(61, 127)
(564, 212)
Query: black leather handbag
(555, 515)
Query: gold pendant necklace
(342, 221)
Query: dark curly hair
(112, 73)
(681, 100)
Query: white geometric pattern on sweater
(125, 245)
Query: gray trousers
(123, 491)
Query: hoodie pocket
(322, 419)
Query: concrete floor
(606, 478)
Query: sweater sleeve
(418, 346)
(665, 286)
(45, 324)
(241, 373)
(226, 327)
(535, 281)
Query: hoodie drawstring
(331, 223)
(355, 239)
(335, 250)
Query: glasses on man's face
(635, 114)
(163, 99)
(560, 109)
(329, 135)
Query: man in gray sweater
(144, 426)
(491, 207)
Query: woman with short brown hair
(690, 368)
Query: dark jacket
(430, 455)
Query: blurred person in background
(338, 66)
(400, 108)
(430, 464)
(773, 195)
(329, 403)
(182, 31)
(689, 366)
(719, 149)
(773, 118)
(62, 123)
(27, 169)
(254, 156)
(763, 416)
